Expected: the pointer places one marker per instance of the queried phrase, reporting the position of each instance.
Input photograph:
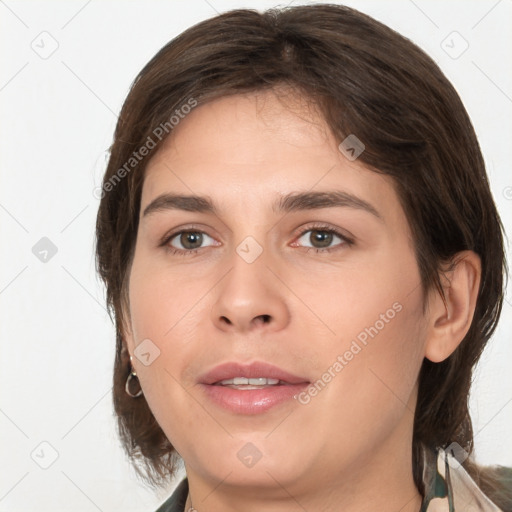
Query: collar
(448, 486)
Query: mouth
(250, 389)
(253, 383)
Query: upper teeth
(258, 381)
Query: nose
(250, 298)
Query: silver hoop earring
(133, 374)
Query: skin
(349, 448)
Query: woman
(305, 262)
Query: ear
(449, 323)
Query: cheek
(163, 301)
(166, 309)
(396, 343)
(370, 390)
(375, 301)
(377, 350)
(381, 355)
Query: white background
(57, 121)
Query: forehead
(255, 147)
(251, 129)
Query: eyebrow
(288, 203)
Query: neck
(410, 502)
(387, 487)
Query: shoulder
(448, 483)
(176, 502)
(497, 485)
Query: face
(323, 287)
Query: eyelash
(322, 228)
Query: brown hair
(367, 80)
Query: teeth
(240, 381)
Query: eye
(187, 241)
(321, 239)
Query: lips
(241, 399)
(254, 370)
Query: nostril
(225, 319)
(263, 318)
